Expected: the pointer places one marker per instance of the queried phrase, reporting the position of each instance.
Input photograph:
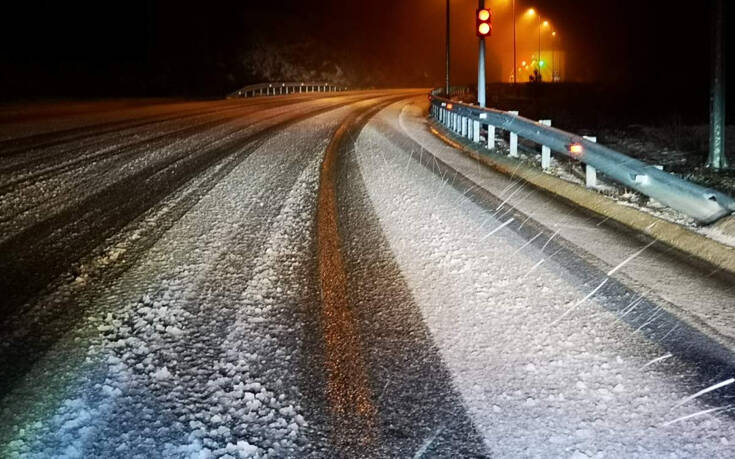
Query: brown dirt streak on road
(348, 388)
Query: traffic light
(484, 22)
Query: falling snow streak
(704, 391)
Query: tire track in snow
(347, 389)
(418, 409)
(48, 165)
(41, 143)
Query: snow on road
(536, 381)
(201, 356)
(688, 290)
(195, 330)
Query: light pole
(532, 12)
(481, 65)
(515, 66)
(717, 157)
(446, 83)
(538, 60)
(553, 57)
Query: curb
(680, 238)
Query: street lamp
(541, 25)
(553, 57)
(531, 13)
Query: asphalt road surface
(320, 276)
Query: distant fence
(703, 204)
(281, 88)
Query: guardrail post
(513, 139)
(464, 126)
(590, 172)
(545, 151)
(476, 131)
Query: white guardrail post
(513, 138)
(545, 151)
(590, 173)
(706, 205)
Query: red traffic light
(484, 23)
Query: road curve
(165, 263)
(319, 276)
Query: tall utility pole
(538, 61)
(446, 83)
(717, 156)
(515, 65)
(553, 57)
(481, 65)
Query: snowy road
(310, 276)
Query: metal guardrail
(703, 204)
(280, 88)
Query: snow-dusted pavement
(162, 296)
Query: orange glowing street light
(531, 12)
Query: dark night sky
(136, 47)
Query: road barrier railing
(705, 205)
(282, 88)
